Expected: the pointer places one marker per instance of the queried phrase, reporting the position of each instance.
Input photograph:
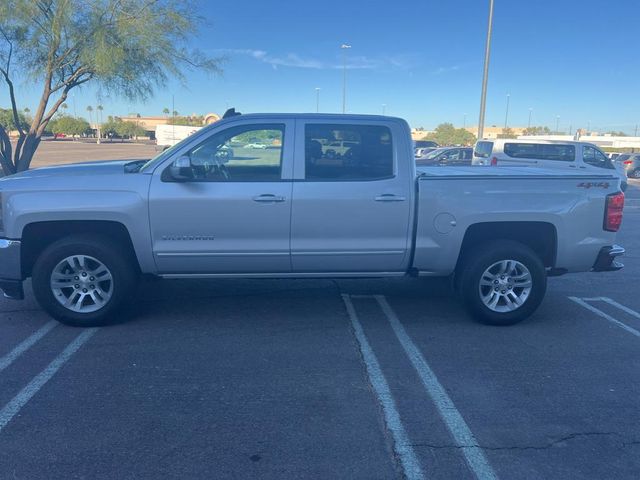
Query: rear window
(541, 151)
(483, 149)
(367, 152)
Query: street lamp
(506, 113)
(529, 123)
(384, 108)
(485, 75)
(557, 124)
(317, 99)
(344, 48)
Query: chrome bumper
(10, 269)
(606, 261)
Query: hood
(106, 167)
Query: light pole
(529, 123)
(344, 48)
(485, 75)
(317, 99)
(464, 121)
(506, 113)
(635, 132)
(384, 108)
(557, 124)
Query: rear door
(351, 212)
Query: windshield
(435, 153)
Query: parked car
(613, 155)
(256, 146)
(544, 153)
(85, 233)
(447, 156)
(630, 162)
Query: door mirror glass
(181, 169)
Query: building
(150, 123)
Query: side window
(541, 151)
(347, 152)
(247, 153)
(594, 157)
(466, 154)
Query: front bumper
(606, 261)
(10, 269)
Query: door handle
(390, 197)
(269, 198)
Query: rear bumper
(606, 260)
(10, 269)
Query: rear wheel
(502, 283)
(83, 280)
(635, 173)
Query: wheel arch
(541, 237)
(37, 236)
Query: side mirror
(181, 170)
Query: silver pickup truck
(85, 233)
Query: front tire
(83, 280)
(502, 283)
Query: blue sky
(423, 59)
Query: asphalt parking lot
(329, 379)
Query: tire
(105, 280)
(635, 173)
(480, 271)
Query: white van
(509, 152)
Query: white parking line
(458, 428)
(20, 400)
(604, 315)
(401, 445)
(26, 344)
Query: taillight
(628, 162)
(494, 161)
(613, 212)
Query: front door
(232, 212)
(351, 209)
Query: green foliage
(70, 126)
(115, 127)
(507, 133)
(7, 122)
(537, 131)
(447, 134)
(125, 47)
(617, 134)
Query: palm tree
(175, 113)
(27, 110)
(64, 107)
(90, 110)
(99, 109)
(165, 112)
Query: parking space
(328, 379)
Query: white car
(543, 153)
(256, 146)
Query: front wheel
(83, 280)
(502, 283)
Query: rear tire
(502, 283)
(84, 280)
(635, 173)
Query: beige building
(493, 132)
(150, 123)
